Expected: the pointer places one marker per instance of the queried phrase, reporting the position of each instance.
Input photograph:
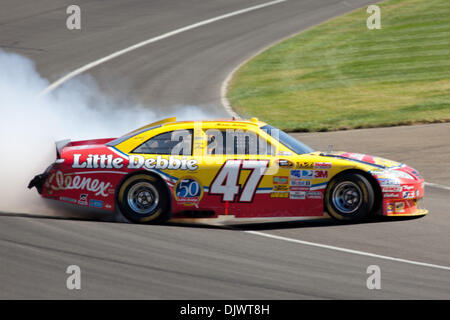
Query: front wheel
(143, 199)
(349, 197)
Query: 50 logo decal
(188, 191)
(226, 182)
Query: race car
(241, 168)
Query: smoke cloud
(30, 124)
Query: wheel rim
(347, 197)
(143, 198)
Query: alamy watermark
(73, 21)
(73, 281)
(374, 280)
(374, 20)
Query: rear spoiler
(60, 145)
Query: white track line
(224, 87)
(435, 185)
(116, 54)
(361, 253)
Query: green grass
(341, 75)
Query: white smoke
(29, 125)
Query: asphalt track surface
(175, 261)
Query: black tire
(144, 199)
(349, 197)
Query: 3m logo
(321, 174)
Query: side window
(236, 142)
(178, 142)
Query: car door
(238, 162)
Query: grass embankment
(341, 75)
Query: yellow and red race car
(241, 168)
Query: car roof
(211, 122)
(216, 123)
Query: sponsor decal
(138, 162)
(300, 183)
(416, 173)
(359, 157)
(58, 181)
(323, 165)
(295, 188)
(67, 199)
(377, 173)
(281, 187)
(285, 163)
(408, 187)
(314, 195)
(298, 195)
(296, 174)
(95, 161)
(96, 203)
(356, 156)
(400, 207)
(388, 182)
(390, 208)
(83, 199)
(408, 195)
(321, 174)
(307, 174)
(108, 206)
(279, 194)
(305, 165)
(280, 180)
(188, 191)
(284, 153)
(392, 195)
(392, 189)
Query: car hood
(382, 168)
(377, 162)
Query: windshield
(287, 140)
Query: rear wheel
(349, 197)
(144, 199)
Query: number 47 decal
(226, 181)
